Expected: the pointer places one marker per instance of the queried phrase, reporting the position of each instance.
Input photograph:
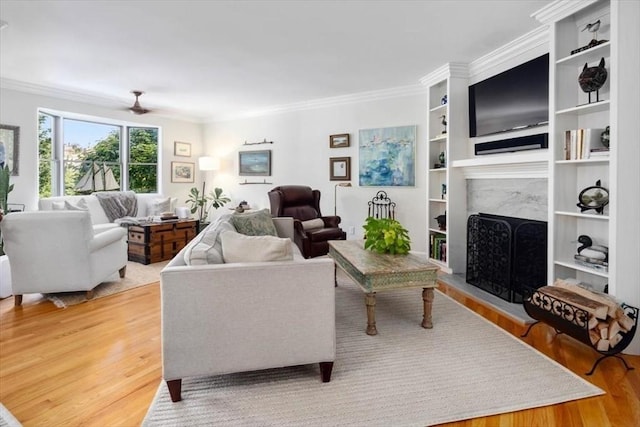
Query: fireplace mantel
(515, 165)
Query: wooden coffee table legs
(427, 298)
(370, 301)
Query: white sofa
(58, 251)
(148, 204)
(244, 316)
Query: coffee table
(375, 272)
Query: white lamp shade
(209, 163)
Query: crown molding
(451, 69)
(376, 95)
(87, 98)
(529, 41)
(560, 9)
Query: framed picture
(387, 156)
(181, 149)
(340, 169)
(339, 141)
(182, 171)
(9, 147)
(254, 163)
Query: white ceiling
(208, 60)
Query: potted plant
(204, 202)
(5, 272)
(5, 189)
(385, 235)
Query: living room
(300, 152)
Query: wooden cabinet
(155, 242)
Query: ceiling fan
(136, 108)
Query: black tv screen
(514, 99)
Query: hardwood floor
(98, 364)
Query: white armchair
(57, 251)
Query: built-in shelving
(570, 109)
(446, 193)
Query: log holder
(566, 318)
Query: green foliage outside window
(142, 162)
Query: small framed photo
(254, 163)
(339, 141)
(181, 149)
(182, 172)
(340, 169)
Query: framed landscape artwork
(339, 141)
(182, 172)
(9, 147)
(340, 169)
(387, 156)
(254, 163)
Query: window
(78, 155)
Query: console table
(375, 272)
(159, 241)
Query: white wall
(21, 109)
(300, 155)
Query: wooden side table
(159, 241)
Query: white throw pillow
(80, 206)
(57, 206)
(206, 247)
(312, 224)
(159, 206)
(238, 247)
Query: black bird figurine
(444, 123)
(589, 250)
(592, 79)
(592, 27)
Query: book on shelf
(438, 249)
(580, 143)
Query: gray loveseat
(221, 318)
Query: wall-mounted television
(514, 99)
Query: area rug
(136, 275)
(465, 367)
(7, 419)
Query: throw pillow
(158, 206)
(57, 206)
(254, 223)
(80, 206)
(238, 247)
(312, 224)
(206, 247)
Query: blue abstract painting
(387, 156)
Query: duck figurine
(589, 250)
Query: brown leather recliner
(303, 204)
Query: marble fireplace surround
(516, 197)
(525, 197)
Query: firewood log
(598, 309)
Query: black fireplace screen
(506, 253)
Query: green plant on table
(204, 202)
(384, 235)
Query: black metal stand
(573, 321)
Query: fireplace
(505, 253)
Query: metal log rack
(566, 318)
